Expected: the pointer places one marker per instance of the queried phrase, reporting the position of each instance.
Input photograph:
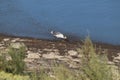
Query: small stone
(117, 58)
(47, 49)
(56, 50)
(80, 55)
(51, 55)
(72, 53)
(15, 40)
(76, 60)
(6, 39)
(33, 55)
(110, 63)
(1, 44)
(8, 58)
(64, 59)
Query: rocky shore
(46, 52)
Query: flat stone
(15, 40)
(80, 55)
(117, 58)
(76, 60)
(56, 50)
(6, 39)
(2, 47)
(47, 49)
(51, 55)
(73, 53)
(110, 63)
(1, 44)
(63, 59)
(33, 55)
(116, 61)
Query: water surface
(35, 18)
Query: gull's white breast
(59, 35)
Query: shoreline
(97, 43)
(45, 52)
(63, 45)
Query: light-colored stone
(117, 57)
(51, 55)
(76, 60)
(110, 63)
(8, 58)
(72, 53)
(33, 55)
(1, 44)
(2, 47)
(6, 39)
(80, 55)
(56, 50)
(17, 45)
(47, 49)
(64, 59)
(15, 40)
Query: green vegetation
(10, 76)
(93, 66)
(15, 64)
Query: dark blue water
(35, 18)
